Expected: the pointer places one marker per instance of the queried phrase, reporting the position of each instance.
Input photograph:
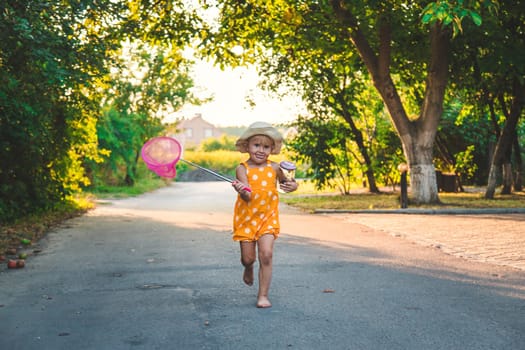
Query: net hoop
(161, 154)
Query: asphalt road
(161, 272)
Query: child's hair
(260, 128)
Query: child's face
(259, 148)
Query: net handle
(222, 177)
(156, 166)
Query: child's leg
(247, 260)
(265, 247)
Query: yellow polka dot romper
(260, 215)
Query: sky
(230, 107)
(231, 88)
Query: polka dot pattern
(260, 215)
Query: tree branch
(378, 65)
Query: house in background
(195, 130)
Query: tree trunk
(362, 149)
(507, 136)
(518, 176)
(507, 178)
(506, 169)
(417, 136)
(497, 159)
(491, 185)
(423, 181)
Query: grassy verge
(308, 200)
(19, 235)
(23, 232)
(140, 187)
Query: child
(256, 212)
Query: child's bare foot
(263, 302)
(247, 276)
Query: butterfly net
(161, 155)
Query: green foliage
(463, 141)
(142, 185)
(222, 161)
(385, 150)
(122, 136)
(54, 64)
(164, 23)
(403, 46)
(333, 157)
(322, 144)
(131, 114)
(489, 73)
(465, 163)
(453, 12)
(48, 65)
(225, 142)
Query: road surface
(160, 271)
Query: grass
(473, 198)
(117, 192)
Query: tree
(51, 56)
(491, 71)
(389, 39)
(333, 158)
(321, 143)
(55, 57)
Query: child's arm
(241, 183)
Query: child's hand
(289, 186)
(241, 187)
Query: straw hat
(260, 128)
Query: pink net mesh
(161, 155)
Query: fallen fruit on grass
(12, 264)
